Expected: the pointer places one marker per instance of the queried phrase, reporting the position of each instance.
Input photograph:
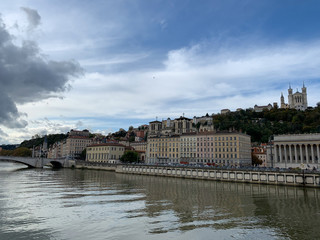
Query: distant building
(257, 108)
(83, 133)
(297, 100)
(139, 146)
(294, 151)
(164, 149)
(74, 145)
(223, 148)
(261, 153)
(183, 125)
(225, 111)
(105, 152)
(154, 128)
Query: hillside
(261, 125)
(37, 140)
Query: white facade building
(295, 151)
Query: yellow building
(139, 146)
(105, 152)
(188, 147)
(224, 148)
(163, 149)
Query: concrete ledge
(280, 178)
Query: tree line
(262, 125)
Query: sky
(108, 64)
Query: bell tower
(290, 97)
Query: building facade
(104, 152)
(224, 148)
(74, 145)
(188, 148)
(297, 100)
(294, 151)
(210, 148)
(261, 153)
(164, 149)
(139, 146)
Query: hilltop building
(297, 100)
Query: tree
(22, 152)
(255, 160)
(130, 156)
(83, 154)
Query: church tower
(304, 96)
(282, 104)
(290, 97)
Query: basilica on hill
(297, 100)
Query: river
(89, 205)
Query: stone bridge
(40, 162)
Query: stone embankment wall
(96, 166)
(278, 178)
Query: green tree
(255, 160)
(83, 154)
(22, 152)
(130, 156)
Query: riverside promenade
(301, 179)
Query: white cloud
(194, 81)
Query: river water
(89, 205)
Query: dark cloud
(26, 76)
(33, 17)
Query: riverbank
(258, 177)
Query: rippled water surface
(88, 204)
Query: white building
(295, 151)
(297, 100)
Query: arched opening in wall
(56, 164)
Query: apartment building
(188, 147)
(211, 148)
(164, 149)
(105, 152)
(139, 146)
(224, 148)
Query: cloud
(2, 133)
(200, 79)
(33, 17)
(26, 76)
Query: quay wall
(96, 166)
(275, 178)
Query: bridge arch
(56, 164)
(20, 162)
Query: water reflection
(190, 204)
(82, 204)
